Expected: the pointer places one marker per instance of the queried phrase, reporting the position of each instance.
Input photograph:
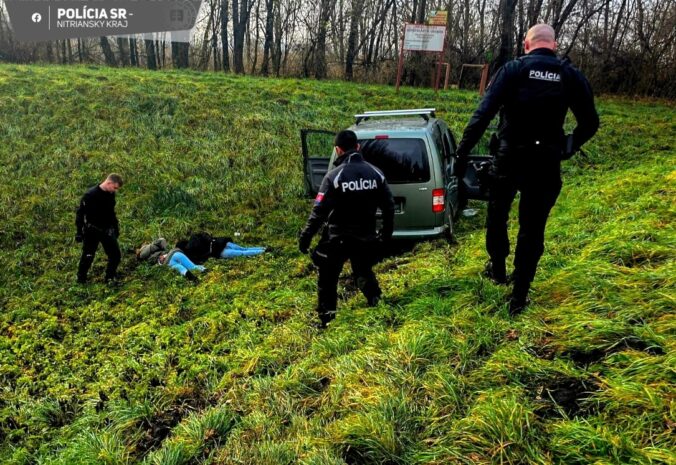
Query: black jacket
(348, 199)
(96, 211)
(533, 94)
(200, 246)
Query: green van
(416, 152)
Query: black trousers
(539, 191)
(92, 239)
(330, 256)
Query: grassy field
(230, 371)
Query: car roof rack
(424, 113)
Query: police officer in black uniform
(346, 207)
(533, 94)
(96, 223)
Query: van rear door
(406, 165)
(317, 146)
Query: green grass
(231, 371)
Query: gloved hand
(383, 236)
(568, 149)
(304, 243)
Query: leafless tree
(626, 46)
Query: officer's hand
(304, 243)
(78, 238)
(568, 147)
(383, 237)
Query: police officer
(533, 94)
(346, 206)
(96, 223)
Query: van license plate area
(398, 208)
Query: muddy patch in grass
(158, 427)
(563, 397)
(584, 357)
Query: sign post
(422, 38)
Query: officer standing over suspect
(96, 223)
(346, 206)
(533, 94)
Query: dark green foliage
(231, 372)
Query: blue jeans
(182, 264)
(233, 250)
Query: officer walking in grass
(96, 223)
(533, 94)
(346, 207)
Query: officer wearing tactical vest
(346, 206)
(533, 94)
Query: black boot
(373, 300)
(325, 317)
(519, 300)
(191, 277)
(495, 271)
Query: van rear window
(400, 160)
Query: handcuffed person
(202, 245)
(156, 252)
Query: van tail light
(437, 200)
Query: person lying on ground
(201, 246)
(156, 252)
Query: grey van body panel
(414, 218)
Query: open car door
(317, 147)
(482, 154)
(471, 179)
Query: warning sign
(438, 18)
(421, 38)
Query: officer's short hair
(346, 140)
(116, 178)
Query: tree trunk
(151, 56)
(241, 10)
(50, 51)
(80, 56)
(224, 35)
(180, 54)
(355, 14)
(320, 45)
(277, 48)
(69, 45)
(133, 52)
(422, 7)
(108, 52)
(506, 35)
(214, 36)
(267, 43)
(124, 54)
(64, 57)
(254, 59)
